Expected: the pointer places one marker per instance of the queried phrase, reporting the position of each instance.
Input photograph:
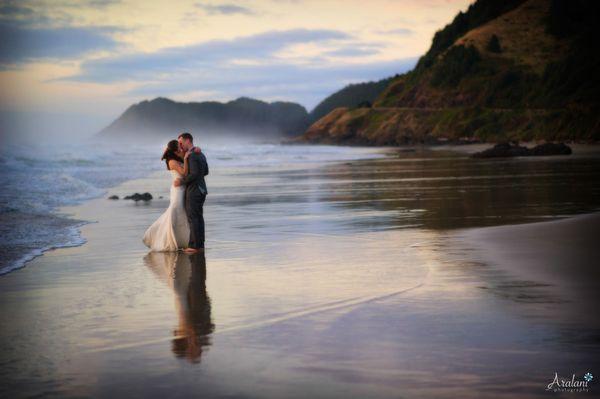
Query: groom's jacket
(198, 168)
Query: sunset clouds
(92, 58)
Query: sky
(76, 65)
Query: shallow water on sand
(326, 280)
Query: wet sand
(314, 284)
(560, 255)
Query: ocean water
(385, 188)
(330, 272)
(38, 180)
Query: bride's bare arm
(174, 165)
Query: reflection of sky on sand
(435, 190)
(308, 289)
(302, 273)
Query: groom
(195, 192)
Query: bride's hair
(171, 152)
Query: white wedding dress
(171, 230)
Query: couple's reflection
(186, 274)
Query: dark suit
(195, 195)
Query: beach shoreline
(74, 238)
(379, 306)
(568, 235)
(557, 255)
(70, 234)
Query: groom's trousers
(194, 203)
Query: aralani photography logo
(572, 384)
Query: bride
(171, 230)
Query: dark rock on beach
(139, 197)
(503, 150)
(551, 149)
(113, 197)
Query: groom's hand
(177, 183)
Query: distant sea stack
(243, 117)
(503, 70)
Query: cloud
(246, 66)
(397, 31)
(205, 56)
(28, 34)
(227, 9)
(21, 43)
(352, 52)
(25, 13)
(102, 3)
(75, 4)
(11, 10)
(284, 81)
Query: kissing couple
(181, 226)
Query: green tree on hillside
(476, 15)
(494, 45)
(455, 65)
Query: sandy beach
(556, 255)
(315, 283)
